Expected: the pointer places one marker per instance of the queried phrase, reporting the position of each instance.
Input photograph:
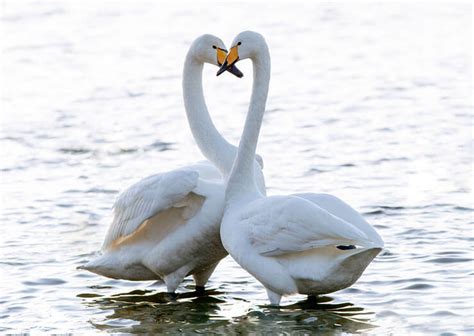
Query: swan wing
(287, 224)
(341, 209)
(147, 198)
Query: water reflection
(156, 312)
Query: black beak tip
(235, 71)
(222, 69)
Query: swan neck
(210, 142)
(241, 178)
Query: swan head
(210, 49)
(247, 44)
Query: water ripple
(44, 282)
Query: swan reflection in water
(157, 312)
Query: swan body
(303, 243)
(156, 232)
(167, 226)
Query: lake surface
(371, 103)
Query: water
(368, 102)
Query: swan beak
(230, 60)
(221, 57)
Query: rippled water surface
(368, 102)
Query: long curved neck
(241, 179)
(211, 143)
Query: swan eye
(214, 47)
(239, 43)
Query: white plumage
(146, 198)
(280, 225)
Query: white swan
(302, 243)
(166, 226)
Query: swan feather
(147, 198)
(286, 224)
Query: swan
(166, 226)
(303, 243)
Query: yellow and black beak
(221, 59)
(230, 60)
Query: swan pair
(303, 243)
